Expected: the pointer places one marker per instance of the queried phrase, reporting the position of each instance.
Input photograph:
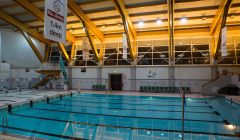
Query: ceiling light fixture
(183, 20)
(231, 16)
(141, 23)
(159, 21)
(204, 18)
(119, 25)
(104, 26)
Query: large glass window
(188, 51)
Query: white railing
(50, 66)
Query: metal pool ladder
(4, 122)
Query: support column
(171, 74)
(171, 71)
(218, 25)
(214, 69)
(133, 72)
(99, 74)
(70, 77)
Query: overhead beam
(220, 27)
(22, 27)
(171, 28)
(63, 52)
(77, 11)
(47, 53)
(94, 48)
(32, 45)
(123, 12)
(128, 28)
(217, 17)
(73, 51)
(31, 8)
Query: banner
(85, 51)
(55, 20)
(124, 45)
(224, 42)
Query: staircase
(213, 87)
(46, 76)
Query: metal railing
(4, 123)
(132, 85)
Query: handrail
(4, 122)
(219, 76)
(215, 79)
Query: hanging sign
(124, 45)
(55, 20)
(224, 41)
(85, 51)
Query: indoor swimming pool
(123, 117)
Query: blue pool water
(108, 117)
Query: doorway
(115, 81)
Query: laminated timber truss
(104, 22)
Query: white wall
(143, 73)
(190, 76)
(90, 73)
(89, 77)
(193, 77)
(21, 73)
(16, 50)
(193, 72)
(235, 69)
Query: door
(116, 81)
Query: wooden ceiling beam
(171, 29)
(32, 45)
(123, 12)
(23, 27)
(63, 51)
(222, 23)
(130, 32)
(217, 17)
(94, 48)
(77, 11)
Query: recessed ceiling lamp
(104, 26)
(204, 18)
(183, 20)
(159, 22)
(119, 25)
(84, 29)
(141, 23)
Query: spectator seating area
(99, 87)
(158, 89)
